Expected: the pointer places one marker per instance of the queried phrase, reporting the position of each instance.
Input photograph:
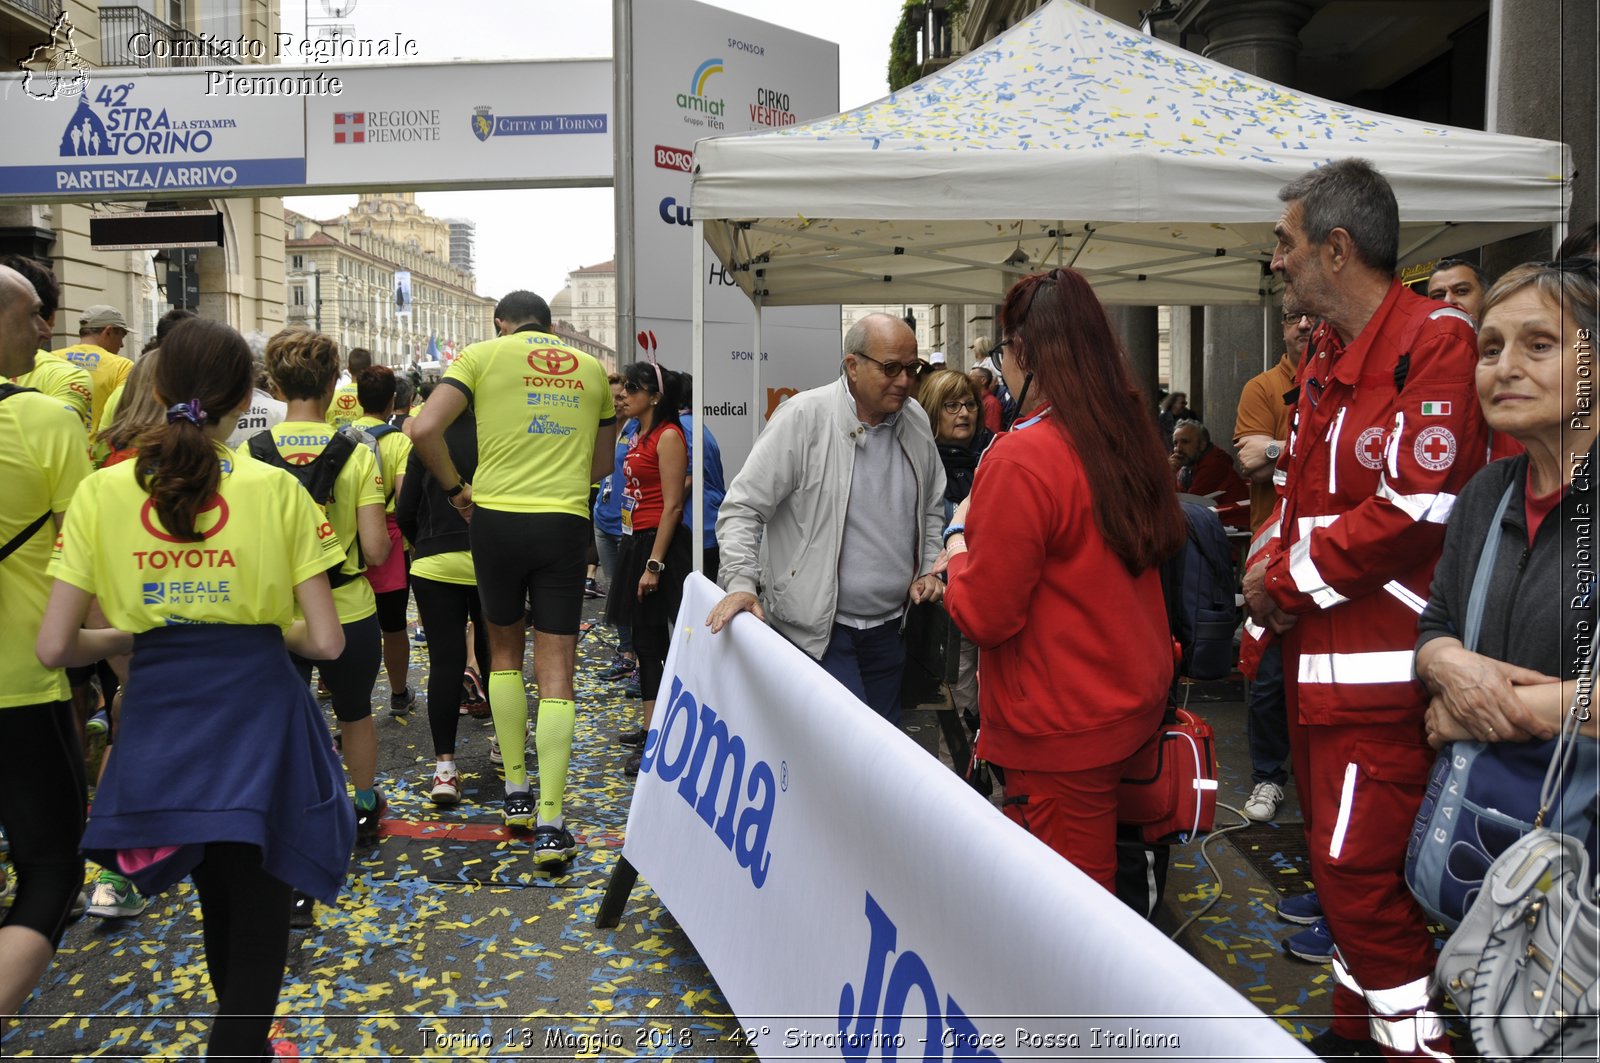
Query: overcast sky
(578, 222)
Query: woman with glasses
(1053, 570)
(959, 432)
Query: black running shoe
(553, 846)
(630, 767)
(518, 810)
(303, 913)
(631, 738)
(368, 821)
(402, 703)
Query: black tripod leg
(623, 876)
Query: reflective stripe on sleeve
(1347, 800)
(1381, 666)
(1435, 509)
(1304, 525)
(1254, 630)
(1268, 532)
(1308, 580)
(1333, 451)
(1408, 597)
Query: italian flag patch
(1435, 409)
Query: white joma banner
(855, 900)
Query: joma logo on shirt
(200, 557)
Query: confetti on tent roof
(1073, 139)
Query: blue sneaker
(1313, 944)
(1303, 909)
(98, 724)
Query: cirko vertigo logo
(703, 109)
(208, 522)
(690, 745)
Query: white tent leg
(755, 376)
(697, 367)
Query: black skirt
(623, 605)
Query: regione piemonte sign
(700, 71)
(144, 135)
(464, 124)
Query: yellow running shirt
(106, 371)
(263, 535)
(394, 450)
(452, 567)
(539, 404)
(62, 380)
(359, 484)
(345, 407)
(42, 464)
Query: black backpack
(316, 476)
(1197, 583)
(8, 389)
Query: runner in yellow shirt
(225, 771)
(50, 375)
(376, 387)
(304, 366)
(546, 428)
(42, 788)
(345, 406)
(101, 332)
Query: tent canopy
(1073, 140)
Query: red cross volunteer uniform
(1370, 474)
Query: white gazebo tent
(1072, 139)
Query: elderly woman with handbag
(1506, 634)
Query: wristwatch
(1274, 448)
(461, 485)
(655, 566)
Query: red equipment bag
(1171, 788)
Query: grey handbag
(1524, 965)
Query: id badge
(628, 502)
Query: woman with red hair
(1054, 572)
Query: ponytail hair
(203, 375)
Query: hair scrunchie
(190, 411)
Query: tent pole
(622, 168)
(697, 367)
(755, 375)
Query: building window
(297, 262)
(299, 295)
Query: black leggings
(444, 609)
(42, 806)
(244, 916)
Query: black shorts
(351, 676)
(542, 556)
(392, 609)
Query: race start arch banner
(699, 71)
(855, 900)
(263, 130)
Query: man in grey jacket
(846, 487)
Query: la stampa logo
(55, 69)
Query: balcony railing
(131, 36)
(46, 11)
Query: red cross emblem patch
(1435, 448)
(1369, 448)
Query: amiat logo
(697, 101)
(691, 746)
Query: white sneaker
(115, 898)
(1264, 801)
(446, 789)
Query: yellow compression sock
(553, 739)
(508, 702)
